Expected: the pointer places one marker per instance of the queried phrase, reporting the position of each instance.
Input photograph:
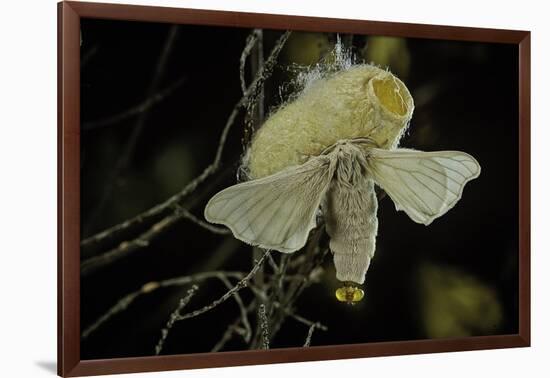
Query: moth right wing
(274, 212)
(423, 184)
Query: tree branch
(150, 287)
(240, 285)
(247, 334)
(264, 326)
(92, 264)
(249, 45)
(127, 154)
(233, 329)
(140, 108)
(207, 226)
(127, 247)
(310, 334)
(174, 318)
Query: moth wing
(423, 184)
(277, 211)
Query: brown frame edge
(69, 14)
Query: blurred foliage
(306, 48)
(147, 183)
(425, 135)
(388, 52)
(176, 154)
(456, 304)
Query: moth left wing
(277, 211)
(423, 184)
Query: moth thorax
(351, 168)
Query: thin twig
(276, 291)
(166, 223)
(259, 293)
(257, 64)
(249, 45)
(254, 117)
(314, 259)
(282, 270)
(90, 265)
(150, 287)
(121, 305)
(174, 318)
(310, 334)
(198, 198)
(144, 106)
(262, 317)
(228, 335)
(210, 169)
(307, 322)
(127, 152)
(207, 226)
(88, 55)
(299, 318)
(274, 266)
(240, 285)
(233, 329)
(244, 317)
(259, 277)
(255, 108)
(290, 313)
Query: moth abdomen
(352, 225)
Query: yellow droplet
(349, 294)
(341, 294)
(358, 294)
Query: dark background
(457, 277)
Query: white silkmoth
(326, 151)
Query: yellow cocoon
(362, 101)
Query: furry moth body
(350, 213)
(327, 150)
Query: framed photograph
(239, 188)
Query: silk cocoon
(361, 101)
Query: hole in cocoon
(390, 95)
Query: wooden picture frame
(69, 328)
